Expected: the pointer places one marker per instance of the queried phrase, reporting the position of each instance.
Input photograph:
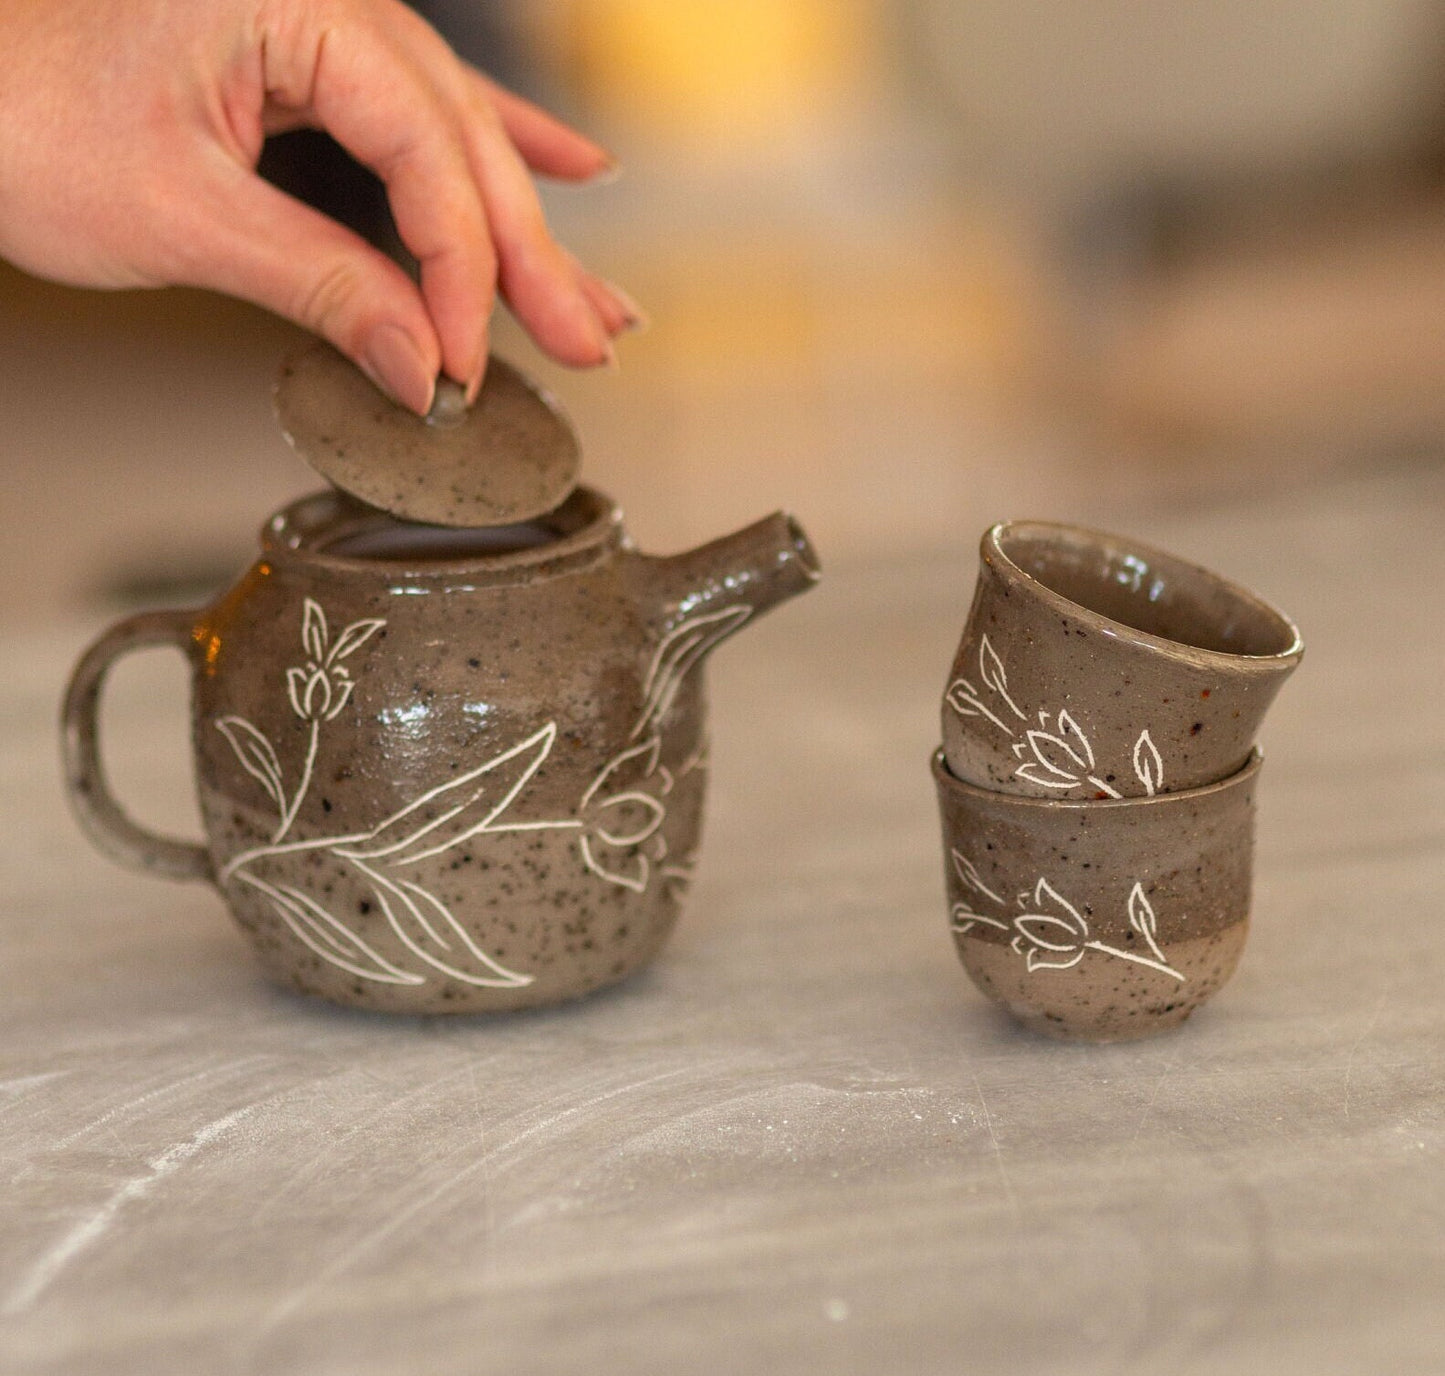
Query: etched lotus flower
(1061, 758)
(622, 813)
(318, 693)
(1055, 936)
(321, 690)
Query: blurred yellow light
(739, 68)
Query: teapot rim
(588, 527)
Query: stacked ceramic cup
(1097, 778)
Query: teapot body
(442, 784)
(445, 771)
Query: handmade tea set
(450, 745)
(1097, 778)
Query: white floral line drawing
(1050, 932)
(318, 693)
(966, 700)
(637, 814)
(472, 805)
(677, 652)
(1058, 758)
(618, 821)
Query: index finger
(362, 83)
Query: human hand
(131, 131)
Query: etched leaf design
(1143, 921)
(1141, 913)
(964, 919)
(313, 630)
(963, 698)
(353, 638)
(1147, 765)
(625, 771)
(459, 809)
(1056, 756)
(316, 700)
(1047, 931)
(628, 819)
(632, 874)
(426, 927)
(990, 668)
(968, 873)
(677, 652)
(341, 696)
(1053, 937)
(257, 757)
(1037, 959)
(333, 941)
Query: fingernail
(393, 362)
(637, 318)
(449, 406)
(474, 383)
(608, 173)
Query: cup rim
(305, 530)
(991, 550)
(945, 778)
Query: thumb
(261, 245)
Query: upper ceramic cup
(1094, 666)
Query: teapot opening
(338, 529)
(408, 542)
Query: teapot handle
(102, 817)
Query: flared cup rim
(993, 552)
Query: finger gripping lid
(510, 456)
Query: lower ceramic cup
(1099, 920)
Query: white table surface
(802, 1142)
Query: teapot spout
(745, 574)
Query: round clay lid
(509, 457)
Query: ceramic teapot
(446, 770)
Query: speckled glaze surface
(510, 456)
(1099, 921)
(1093, 667)
(447, 778)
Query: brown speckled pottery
(508, 457)
(1093, 666)
(446, 771)
(1099, 921)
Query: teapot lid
(512, 455)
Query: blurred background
(912, 266)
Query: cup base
(1113, 1006)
